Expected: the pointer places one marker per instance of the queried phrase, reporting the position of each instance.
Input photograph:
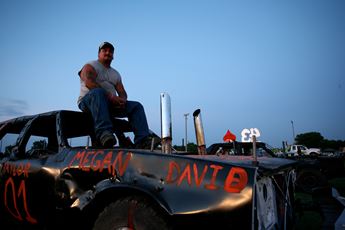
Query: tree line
(316, 140)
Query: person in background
(103, 95)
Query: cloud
(13, 107)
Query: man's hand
(117, 101)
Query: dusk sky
(245, 64)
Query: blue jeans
(97, 103)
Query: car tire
(134, 212)
(309, 179)
(313, 154)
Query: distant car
(311, 172)
(54, 175)
(241, 149)
(332, 153)
(295, 150)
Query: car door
(28, 185)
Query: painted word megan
(99, 160)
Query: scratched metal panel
(187, 185)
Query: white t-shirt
(107, 78)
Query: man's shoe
(108, 140)
(124, 142)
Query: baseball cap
(105, 44)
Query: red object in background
(228, 137)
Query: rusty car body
(60, 183)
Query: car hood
(266, 165)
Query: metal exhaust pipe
(199, 132)
(166, 127)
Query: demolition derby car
(53, 176)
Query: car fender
(110, 190)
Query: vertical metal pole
(293, 132)
(186, 142)
(255, 157)
(88, 142)
(254, 147)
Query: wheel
(313, 154)
(309, 179)
(131, 213)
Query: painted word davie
(99, 160)
(235, 182)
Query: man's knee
(93, 99)
(135, 105)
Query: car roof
(15, 125)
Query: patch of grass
(309, 220)
(304, 197)
(306, 217)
